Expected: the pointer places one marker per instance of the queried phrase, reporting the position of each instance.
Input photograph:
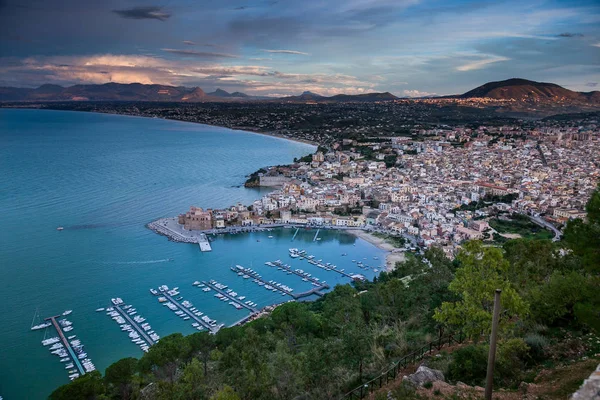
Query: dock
(294, 237)
(212, 329)
(316, 235)
(204, 243)
(224, 293)
(308, 278)
(295, 296)
(66, 343)
(135, 325)
(327, 268)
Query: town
(456, 184)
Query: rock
(425, 374)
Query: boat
(60, 228)
(100, 309)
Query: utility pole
(489, 380)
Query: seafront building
(430, 190)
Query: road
(548, 225)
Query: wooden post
(489, 380)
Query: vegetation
(396, 241)
(521, 225)
(550, 303)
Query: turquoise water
(103, 177)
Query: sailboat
(39, 325)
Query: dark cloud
(570, 35)
(188, 42)
(591, 84)
(151, 12)
(237, 8)
(205, 54)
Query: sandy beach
(393, 255)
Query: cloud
(151, 12)
(189, 42)
(205, 54)
(240, 8)
(596, 44)
(591, 84)
(417, 93)
(479, 64)
(287, 52)
(570, 35)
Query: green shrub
(510, 361)
(537, 344)
(469, 365)
(428, 385)
(437, 392)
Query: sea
(103, 178)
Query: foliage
(86, 387)
(469, 365)
(482, 271)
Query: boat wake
(138, 262)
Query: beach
(393, 256)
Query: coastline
(245, 129)
(392, 257)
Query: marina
(186, 311)
(68, 349)
(139, 331)
(213, 285)
(302, 255)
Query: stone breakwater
(165, 227)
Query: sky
(280, 47)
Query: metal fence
(391, 373)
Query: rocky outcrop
(590, 390)
(423, 375)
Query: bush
(510, 361)
(469, 365)
(428, 385)
(536, 344)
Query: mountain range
(516, 89)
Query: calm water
(103, 177)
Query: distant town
(455, 184)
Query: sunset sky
(281, 47)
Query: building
(196, 219)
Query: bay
(103, 177)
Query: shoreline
(392, 257)
(244, 129)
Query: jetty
(295, 233)
(257, 278)
(66, 343)
(303, 275)
(204, 243)
(230, 297)
(135, 325)
(212, 329)
(328, 267)
(316, 235)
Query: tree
(482, 271)
(119, 375)
(164, 357)
(189, 386)
(226, 393)
(86, 387)
(584, 237)
(202, 343)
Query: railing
(392, 373)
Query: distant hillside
(525, 90)
(340, 98)
(117, 92)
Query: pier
(204, 243)
(212, 329)
(311, 279)
(327, 268)
(66, 344)
(316, 235)
(240, 302)
(295, 296)
(135, 325)
(294, 237)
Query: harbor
(140, 332)
(229, 295)
(302, 255)
(67, 347)
(185, 309)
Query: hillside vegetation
(319, 350)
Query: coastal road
(548, 225)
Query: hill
(525, 90)
(340, 98)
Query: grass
(521, 225)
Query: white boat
(100, 309)
(67, 312)
(60, 228)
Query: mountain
(117, 92)
(223, 93)
(525, 90)
(340, 98)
